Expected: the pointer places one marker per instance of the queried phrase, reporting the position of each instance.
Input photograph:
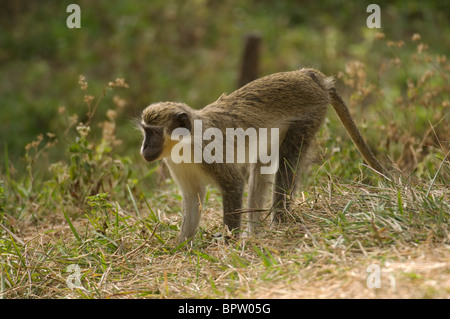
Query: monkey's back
(273, 99)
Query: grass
(339, 228)
(87, 218)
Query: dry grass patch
(337, 230)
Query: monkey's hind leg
(257, 189)
(293, 153)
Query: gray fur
(295, 102)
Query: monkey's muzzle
(150, 154)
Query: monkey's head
(157, 122)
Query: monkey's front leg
(192, 200)
(232, 203)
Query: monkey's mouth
(151, 156)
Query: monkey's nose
(150, 154)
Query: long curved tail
(342, 111)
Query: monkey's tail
(342, 111)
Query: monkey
(293, 102)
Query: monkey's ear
(182, 120)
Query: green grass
(133, 253)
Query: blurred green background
(186, 51)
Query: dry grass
(422, 272)
(323, 252)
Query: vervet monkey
(294, 103)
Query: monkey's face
(158, 122)
(153, 144)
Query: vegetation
(83, 216)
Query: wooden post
(250, 59)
